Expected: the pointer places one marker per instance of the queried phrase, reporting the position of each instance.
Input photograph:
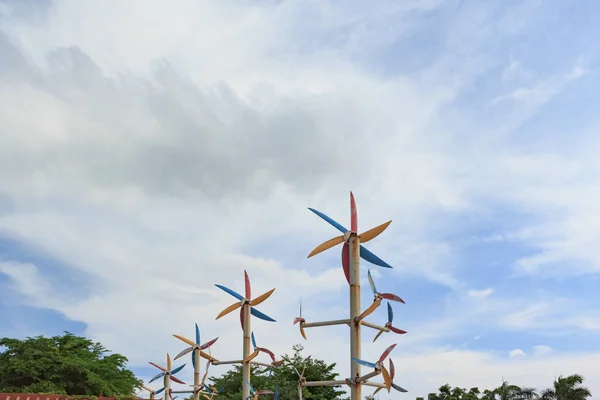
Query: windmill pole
(167, 384)
(246, 351)
(196, 356)
(152, 395)
(354, 248)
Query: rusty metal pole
(152, 395)
(246, 364)
(197, 374)
(167, 384)
(354, 245)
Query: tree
(284, 377)
(506, 391)
(65, 364)
(568, 388)
(446, 392)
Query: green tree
(284, 377)
(446, 392)
(567, 388)
(65, 364)
(506, 391)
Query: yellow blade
(204, 377)
(371, 308)
(373, 233)
(251, 356)
(168, 362)
(188, 341)
(261, 298)
(302, 332)
(386, 379)
(229, 309)
(327, 245)
(377, 336)
(376, 390)
(208, 357)
(206, 396)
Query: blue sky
(142, 164)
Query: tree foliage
(284, 377)
(67, 364)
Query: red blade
(208, 344)
(392, 297)
(248, 291)
(177, 380)
(396, 330)
(297, 320)
(269, 352)
(157, 366)
(392, 370)
(387, 352)
(353, 215)
(242, 316)
(346, 261)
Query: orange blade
(168, 362)
(377, 336)
(373, 233)
(188, 341)
(302, 332)
(261, 298)
(229, 309)
(327, 245)
(376, 390)
(371, 308)
(251, 356)
(386, 378)
(208, 357)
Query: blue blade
(251, 388)
(399, 388)
(365, 363)
(176, 370)
(159, 390)
(193, 361)
(197, 335)
(231, 292)
(156, 377)
(276, 393)
(260, 315)
(331, 221)
(390, 313)
(221, 390)
(372, 258)
(253, 341)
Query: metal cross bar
(324, 383)
(227, 362)
(182, 391)
(375, 384)
(374, 326)
(368, 376)
(326, 323)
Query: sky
(150, 150)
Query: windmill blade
(377, 336)
(353, 215)
(261, 392)
(392, 369)
(229, 309)
(335, 224)
(396, 330)
(155, 377)
(276, 393)
(376, 390)
(370, 309)
(260, 315)
(261, 298)
(208, 344)
(399, 388)
(302, 332)
(197, 334)
(374, 232)
(160, 390)
(176, 370)
(387, 352)
(392, 297)
(183, 353)
(247, 288)
(185, 340)
(390, 313)
(207, 356)
(253, 340)
(177, 380)
(372, 258)
(386, 378)
(249, 386)
(156, 365)
(269, 352)
(371, 283)
(365, 363)
(168, 362)
(326, 245)
(346, 261)
(231, 292)
(252, 356)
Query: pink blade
(208, 344)
(353, 216)
(269, 352)
(248, 291)
(392, 297)
(242, 316)
(177, 380)
(396, 330)
(297, 320)
(387, 352)
(392, 370)
(157, 366)
(346, 261)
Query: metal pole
(246, 364)
(375, 384)
(374, 326)
(152, 395)
(167, 384)
(324, 383)
(368, 376)
(196, 373)
(354, 245)
(326, 323)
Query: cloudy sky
(150, 150)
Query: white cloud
(516, 353)
(481, 293)
(541, 350)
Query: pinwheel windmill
(152, 392)
(389, 324)
(167, 373)
(392, 374)
(378, 366)
(247, 305)
(352, 252)
(197, 348)
(212, 392)
(258, 350)
(254, 394)
(302, 321)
